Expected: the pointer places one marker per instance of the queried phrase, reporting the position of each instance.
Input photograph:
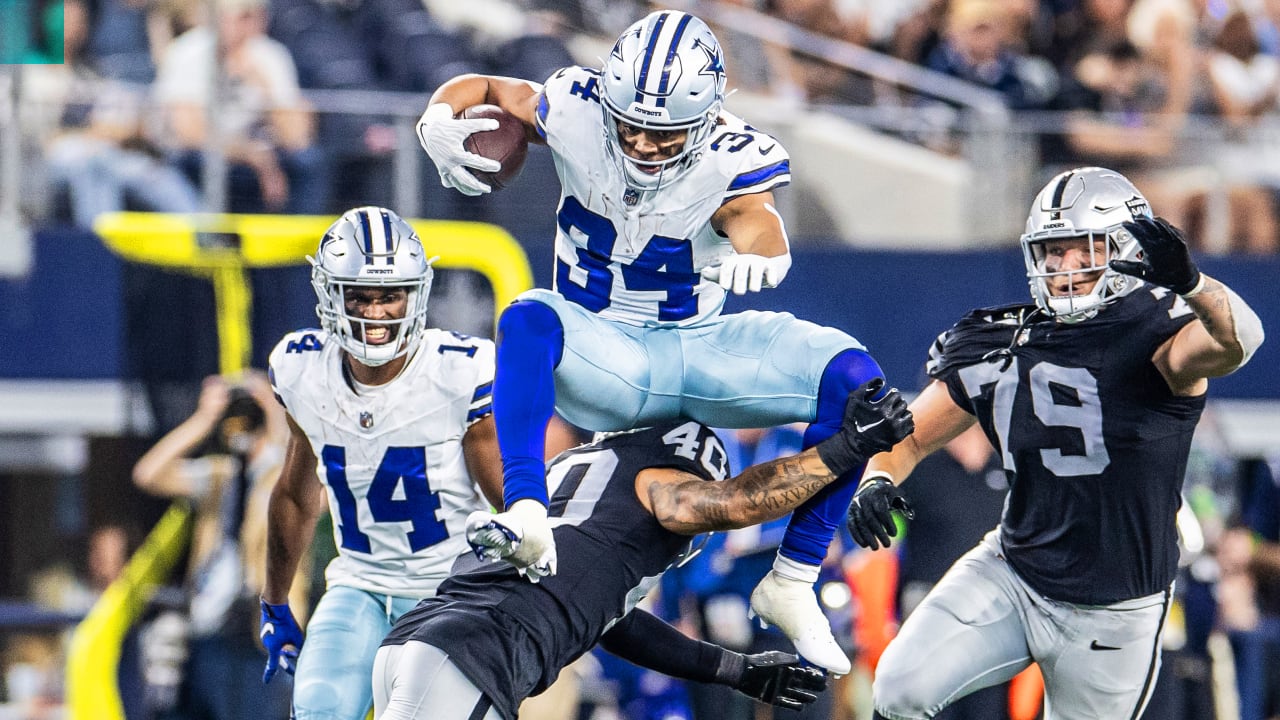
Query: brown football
(507, 144)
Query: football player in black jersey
(1090, 395)
(622, 511)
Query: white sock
(794, 570)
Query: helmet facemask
(1088, 206)
(371, 249)
(1073, 306)
(665, 74)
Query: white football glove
(743, 273)
(441, 135)
(521, 536)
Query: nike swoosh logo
(1095, 646)
(864, 428)
(267, 629)
(766, 150)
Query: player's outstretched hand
(1165, 259)
(870, 514)
(871, 425)
(521, 536)
(749, 273)
(779, 679)
(279, 633)
(441, 135)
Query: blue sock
(530, 343)
(814, 523)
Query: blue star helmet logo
(715, 64)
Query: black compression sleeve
(647, 641)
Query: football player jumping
(1091, 395)
(390, 423)
(666, 204)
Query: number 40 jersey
(637, 256)
(390, 456)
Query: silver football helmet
(371, 247)
(666, 72)
(1090, 202)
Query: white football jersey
(390, 456)
(637, 256)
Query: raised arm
(687, 504)
(1226, 331)
(166, 468)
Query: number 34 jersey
(637, 256)
(1093, 441)
(390, 456)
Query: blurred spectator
(760, 66)
(96, 154)
(979, 44)
(224, 460)
(958, 495)
(1249, 592)
(267, 128)
(1245, 84)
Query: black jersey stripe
(482, 707)
(1149, 684)
(1061, 190)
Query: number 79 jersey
(637, 256)
(391, 457)
(1094, 442)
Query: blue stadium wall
(66, 319)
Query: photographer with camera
(224, 460)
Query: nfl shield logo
(366, 420)
(630, 197)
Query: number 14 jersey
(390, 456)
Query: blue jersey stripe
(544, 107)
(480, 412)
(648, 57)
(759, 175)
(483, 391)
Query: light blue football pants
(335, 667)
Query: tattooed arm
(687, 504)
(1227, 333)
(296, 503)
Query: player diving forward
(390, 423)
(1091, 395)
(623, 510)
(666, 203)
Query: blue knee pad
(814, 523)
(530, 343)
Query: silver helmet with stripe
(371, 248)
(1090, 203)
(665, 73)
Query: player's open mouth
(377, 335)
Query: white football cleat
(792, 607)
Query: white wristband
(1195, 290)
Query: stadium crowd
(124, 123)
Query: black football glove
(870, 427)
(779, 679)
(870, 515)
(1165, 259)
